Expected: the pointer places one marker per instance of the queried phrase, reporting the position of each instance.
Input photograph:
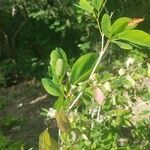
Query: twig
(101, 53)
(103, 6)
(80, 94)
(95, 67)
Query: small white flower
(51, 113)
(121, 72)
(129, 62)
(107, 86)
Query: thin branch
(95, 67)
(97, 20)
(101, 53)
(103, 7)
(80, 94)
(102, 46)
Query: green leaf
(97, 4)
(123, 45)
(58, 63)
(50, 87)
(83, 67)
(46, 142)
(120, 25)
(146, 96)
(87, 96)
(136, 37)
(49, 71)
(60, 103)
(55, 55)
(85, 5)
(106, 25)
(60, 66)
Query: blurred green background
(30, 29)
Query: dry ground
(25, 101)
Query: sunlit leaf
(50, 87)
(85, 5)
(83, 67)
(120, 25)
(60, 103)
(58, 63)
(97, 4)
(46, 142)
(106, 25)
(55, 55)
(123, 45)
(136, 37)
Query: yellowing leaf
(46, 142)
(63, 122)
(135, 21)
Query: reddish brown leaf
(135, 21)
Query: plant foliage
(99, 106)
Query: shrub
(103, 100)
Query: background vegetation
(31, 29)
